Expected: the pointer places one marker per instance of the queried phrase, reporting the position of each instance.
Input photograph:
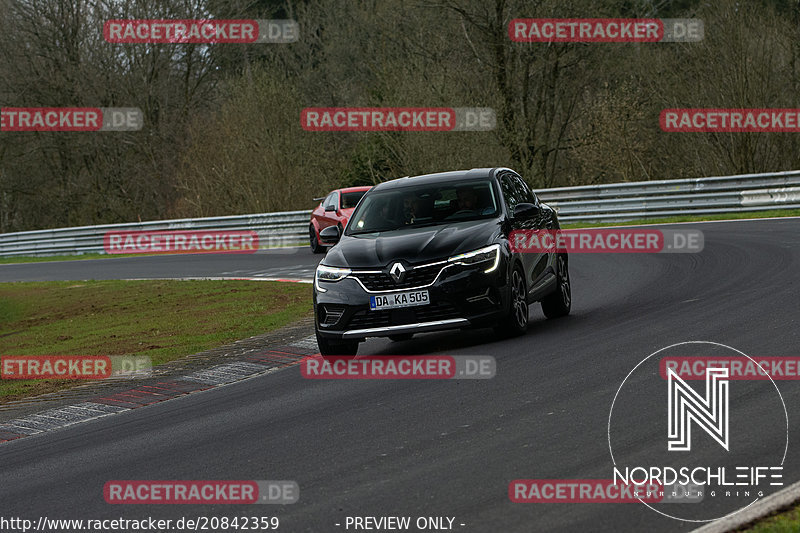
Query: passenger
(411, 207)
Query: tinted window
(424, 205)
(511, 193)
(350, 199)
(524, 192)
(331, 199)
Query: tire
(401, 337)
(316, 247)
(328, 347)
(515, 321)
(559, 303)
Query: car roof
(439, 177)
(355, 189)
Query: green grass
(32, 259)
(785, 522)
(164, 320)
(29, 259)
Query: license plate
(399, 299)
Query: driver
(411, 208)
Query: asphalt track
(433, 448)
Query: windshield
(350, 199)
(424, 205)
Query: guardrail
(588, 203)
(274, 229)
(699, 196)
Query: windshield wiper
(363, 231)
(424, 224)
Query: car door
(516, 191)
(545, 221)
(512, 197)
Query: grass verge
(784, 522)
(30, 259)
(164, 320)
(83, 257)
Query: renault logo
(397, 271)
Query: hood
(414, 245)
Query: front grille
(370, 319)
(441, 311)
(414, 277)
(400, 317)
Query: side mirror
(329, 235)
(330, 207)
(525, 211)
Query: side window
(332, 199)
(523, 191)
(511, 195)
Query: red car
(334, 210)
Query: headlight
(326, 273)
(490, 253)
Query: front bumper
(418, 327)
(460, 297)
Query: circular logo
(700, 429)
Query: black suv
(432, 252)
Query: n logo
(686, 405)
